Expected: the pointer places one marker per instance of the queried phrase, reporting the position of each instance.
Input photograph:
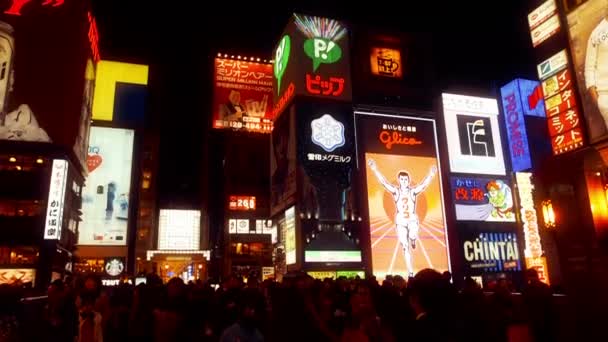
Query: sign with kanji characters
(567, 141)
(312, 59)
(516, 126)
(473, 134)
(482, 199)
(241, 203)
(557, 83)
(528, 215)
(242, 98)
(386, 62)
(399, 161)
(55, 202)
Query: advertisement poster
(482, 199)
(473, 135)
(283, 162)
(179, 229)
(398, 156)
(242, 95)
(516, 126)
(105, 198)
(490, 252)
(290, 236)
(588, 26)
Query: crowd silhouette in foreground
(426, 307)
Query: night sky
(477, 48)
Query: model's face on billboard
(404, 181)
(235, 97)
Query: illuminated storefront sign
(386, 62)
(540, 265)
(16, 6)
(407, 163)
(54, 211)
(290, 236)
(552, 65)
(241, 203)
(516, 126)
(533, 247)
(350, 274)
(106, 196)
(332, 256)
(12, 276)
(93, 35)
(328, 133)
(482, 199)
(331, 140)
(473, 135)
(545, 30)
(321, 275)
(110, 76)
(110, 282)
(114, 267)
(267, 273)
(242, 98)
(492, 252)
(557, 83)
(564, 122)
(179, 229)
(543, 12)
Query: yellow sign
(386, 62)
(108, 74)
(322, 274)
(540, 265)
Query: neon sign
(17, 5)
(93, 37)
(242, 203)
(396, 138)
(528, 215)
(316, 86)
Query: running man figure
(406, 220)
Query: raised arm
(388, 186)
(427, 180)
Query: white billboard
(473, 134)
(105, 197)
(179, 229)
(54, 210)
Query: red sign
(558, 124)
(242, 203)
(332, 86)
(395, 138)
(560, 103)
(557, 83)
(93, 37)
(567, 141)
(242, 97)
(17, 5)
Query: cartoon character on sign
(499, 195)
(406, 219)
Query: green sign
(350, 274)
(322, 50)
(281, 58)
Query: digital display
(404, 197)
(516, 126)
(54, 211)
(244, 203)
(179, 229)
(473, 135)
(588, 28)
(242, 98)
(491, 252)
(106, 196)
(386, 62)
(482, 199)
(332, 256)
(290, 236)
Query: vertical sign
(290, 236)
(54, 211)
(516, 126)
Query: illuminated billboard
(540, 14)
(244, 203)
(242, 95)
(482, 199)
(179, 229)
(17, 276)
(473, 135)
(106, 195)
(332, 256)
(54, 211)
(312, 58)
(386, 62)
(588, 26)
(545, 30)
(120, 92)
(41, 94)
(516, 126)
(490, 252)
(529, 218)
(290, 236)
(404, 197)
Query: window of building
(21, 207)
(18, 255)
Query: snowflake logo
(328, 133)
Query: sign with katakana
(564, 122)
(242, 98)
(557, 83)
(567, 141)
(55, 202)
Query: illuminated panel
(350, 274)
(54, 211)
(386, 62)
(290, 236)
(490, 252)
(179, 229)
(321, 275)
(482, 199)
(244, 203)
(545, 30)
(533, 247)
(473, 135)
(555, 63)
(332, 256)
(541, 13)
(17, 275)
(108, 75)
(516, 126)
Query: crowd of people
(426, 307)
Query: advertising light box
(179, 229)
(482, 199)
(491, 252)
(398, 156)
(540, 14)
(242, 95)
(473, 135)
(332, 256)
(588, 28)
(386, 62)
(106, 195)
(54, 211)
(290, 236)
(516, 126)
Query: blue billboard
(520, 97)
